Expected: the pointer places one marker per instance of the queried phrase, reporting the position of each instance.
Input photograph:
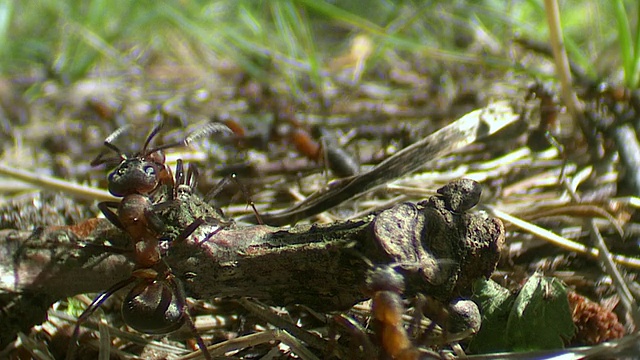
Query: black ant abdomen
(155, 306)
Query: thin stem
(562, 61)
(54, 184)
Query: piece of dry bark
(440, 250)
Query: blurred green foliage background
(71, 38)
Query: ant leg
(106, 207)
(158, 305)
(357, 332)
(163, 205)
(222, 183)
(179, 173)
(154, 221)
(184, 234)
(210, 235)
(192, 176)
(201, 345)
(189, 177)
(216, 189)
(179, 292)
(95, 304)
(185, 183)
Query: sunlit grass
(69, 39)
(629, 43)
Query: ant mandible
(157, 303)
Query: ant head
(134, 175)
(384, 278)
(155, 306)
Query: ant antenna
(108, 142)
(156, 129)
(205, 130)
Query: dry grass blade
(247, 341)
(55, 184)
(36, 349)
(264, 312)
(559, 240)
(608, 265)
(105, 341)
(133, 337)
(475, 125)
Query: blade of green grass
(636, 64)
(6, 13)
(624, 39)
(285, 31)
(305, 36)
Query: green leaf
(540, 317)
(495, 303)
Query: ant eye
(150, 171)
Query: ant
(541, 138)
(338, 160)
(137, 177)
(157, 303)
(385, 285)
(326, 150)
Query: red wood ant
(134, 179)
(156, 304)
(541, 138)
(338, 160)
(341, 163)
(385, 286)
